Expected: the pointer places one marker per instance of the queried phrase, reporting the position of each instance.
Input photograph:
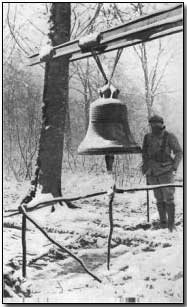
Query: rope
(98, 62)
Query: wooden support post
(111, 197)
(25, 215)
(147, 205)
(147, 194)
(24, 251)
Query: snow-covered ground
(146, 262)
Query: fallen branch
(8, 225)
(10, 210)
(57, 244)
(48, 253)
(38, 258)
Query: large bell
(108, 129)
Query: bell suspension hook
(108, 90)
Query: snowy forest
(149, 77)
(25, 31)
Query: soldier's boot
(161, 206)
(170, 207)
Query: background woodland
(149, 77)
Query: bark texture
(55, 100)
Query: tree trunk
(55, 99)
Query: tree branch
(162, 74)
(153, 79)
(97, 10)
(12, 32)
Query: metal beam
(144, 29)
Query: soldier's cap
(156, 119)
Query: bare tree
(83, 76)
(21, 119)
(153, 76)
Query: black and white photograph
(92, 137)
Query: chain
(118, 55)
(97, 59)
(98, 62)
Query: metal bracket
(90, 42)
(46, 53)
(143, 29)
(109, 91)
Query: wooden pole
(24, 251)
(147, 205)
(111, 197)
(55, 243)
(46, 203)
(109, 160)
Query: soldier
(161, 155)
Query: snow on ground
(146, 262)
